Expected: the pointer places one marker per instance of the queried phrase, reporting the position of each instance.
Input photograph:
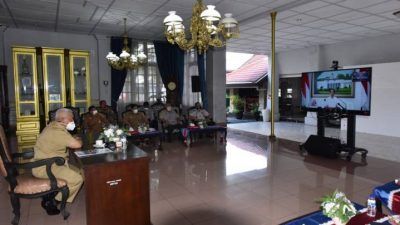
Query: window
(191, 69)
(144, 83)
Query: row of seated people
(165, 118)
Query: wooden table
(148, 134)
(117, 188)
(190, 131)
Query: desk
(117, 188)
(147, 134)
(318, 218)
(188, 132)
(388, 195)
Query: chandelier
(125, 59)
(206, 28)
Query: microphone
(342, 107)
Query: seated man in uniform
(52, 142)
(93, 123)
(108, 112)
(199, 114)
(134, 119)
(149, 112)
(170, 120)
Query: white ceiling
(300, 23)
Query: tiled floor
(380, 146)
(250, 182)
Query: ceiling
(301, 23)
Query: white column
(216, 83)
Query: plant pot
(239, 115)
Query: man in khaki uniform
(52, 142)
(108, 112)
(93, 123)
(135, 118)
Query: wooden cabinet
(26, 95)
(79, 72)
(46, 79)
(117, 188)
(53, 79)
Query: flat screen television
(345, 89)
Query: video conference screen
(345, 89)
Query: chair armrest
(59, 161)
(24, 155)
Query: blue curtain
(117, 76)
(202, 77)
(170, 61)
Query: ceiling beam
(101, 17)
(57, 15)
(10, 13)
(265, 15)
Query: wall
(384, 119)
(367, 51)
(97, 46)
(382, 52)
(216, 83)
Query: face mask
(135, 111)
(94, 112)
(169, 108)
(70, 126)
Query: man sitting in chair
(199, 114)
(134, 119)
(108, 112)
(149, 112)
(170, 120)
(52, 142)
(93, 123)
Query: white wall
(366, 51)
(98, 46)
(385, 104)
(382, 53)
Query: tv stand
(350, 146)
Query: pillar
(216, 83)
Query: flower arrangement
(112, 133)
(338, 207)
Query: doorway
(290, 99)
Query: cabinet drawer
(27, 137)
(21, 126)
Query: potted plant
(337, 207)
(238, 104)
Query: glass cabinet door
(25, 80)
(80, 80)
(54, 79)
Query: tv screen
(345, 89)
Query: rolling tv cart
(349, 147)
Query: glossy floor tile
(247, 181)
(380, 146)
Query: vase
(337, 221)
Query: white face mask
(70, 126)
(169, 108)
(135, 111)
(94, 112)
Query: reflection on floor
(252, 182)
(379, 146)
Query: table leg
(160, 137)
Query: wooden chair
(25, 185)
